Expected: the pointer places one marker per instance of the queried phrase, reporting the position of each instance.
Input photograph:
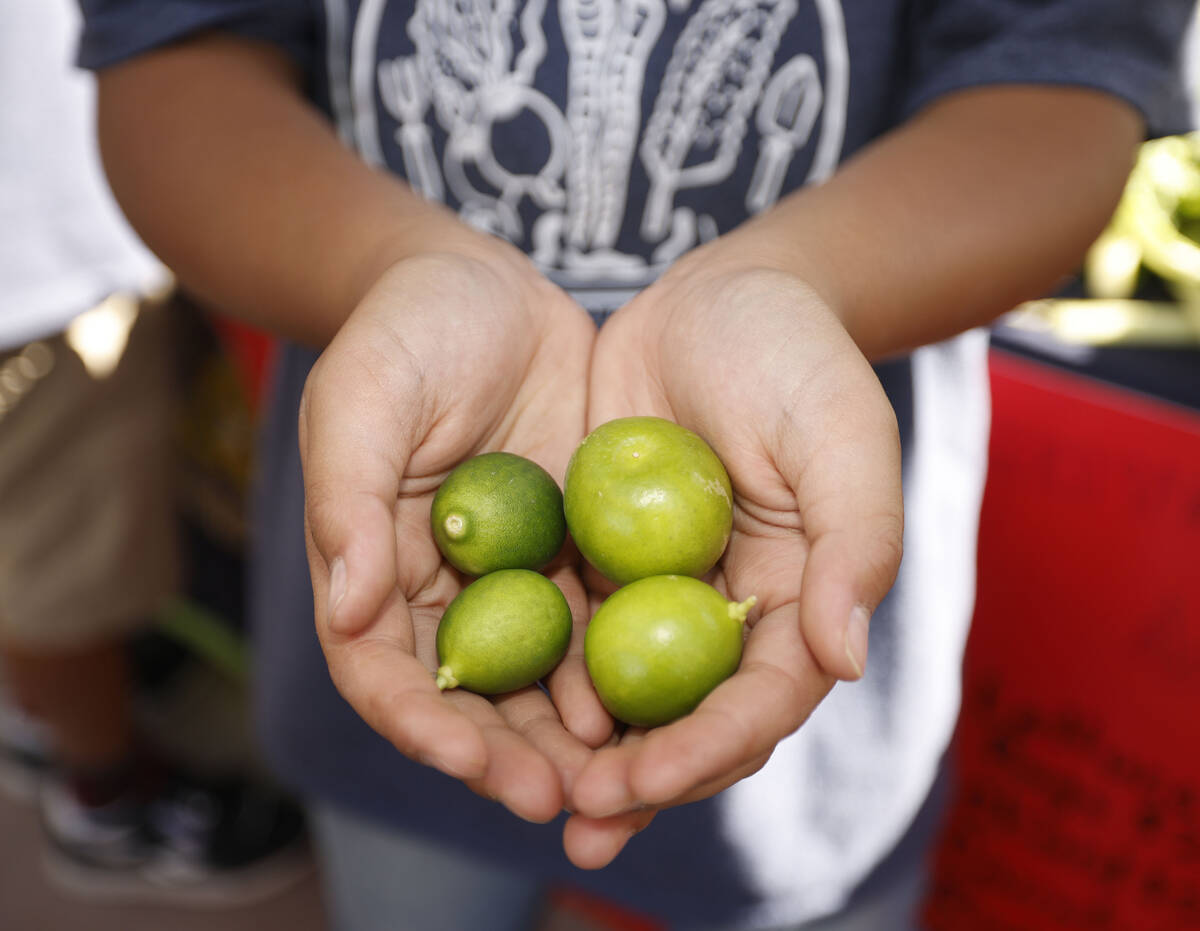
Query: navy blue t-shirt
(606, 138)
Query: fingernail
(337, 589)
(856, 639)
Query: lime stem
(445, 678)
(739, 611)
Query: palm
(442, 361)
(756, 364)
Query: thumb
(849, 495)
(846, 575)
(353, 455)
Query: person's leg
(380, 880)
(83, 698)
(88, 558)
(89, 548)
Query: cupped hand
(447, 356)
(758, 364)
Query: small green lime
(644, 496)
(656, 647)
(503, 632)
(498, 511)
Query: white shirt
(64, 244)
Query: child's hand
(756, 363)
(446, 357)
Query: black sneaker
(195, 844)
(106, 837)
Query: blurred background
(1077, 760)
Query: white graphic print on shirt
(474, 65)
(785, 119)
(715, 77)
(608, 44)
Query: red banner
(1077, 796)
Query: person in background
(800, 212)
(88, 551)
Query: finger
(614, 768)
(571, 689)
(569, 684)
(602, 790)
(459, 733)
(525, 743)
(848, 493)
(395, 694)
(518, 776)
(531, 714)
(592, 843)
(596, 584)
(530, 755)
(721, 783)
(353, 456)
(773, 692)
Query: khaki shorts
(87, 533)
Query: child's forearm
(985, 199)
(245, 191)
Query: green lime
(503, 632)
(498, 511)
(656, 647)
(644, 496)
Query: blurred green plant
(1142, 275)
(1156, 226)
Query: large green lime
(644, 496)
(503, 632)
(498, 511)
(656, 647)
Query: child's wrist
(762, 247)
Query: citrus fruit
(503, 632)
(498, 511)
(656, 647)
(644, 496)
